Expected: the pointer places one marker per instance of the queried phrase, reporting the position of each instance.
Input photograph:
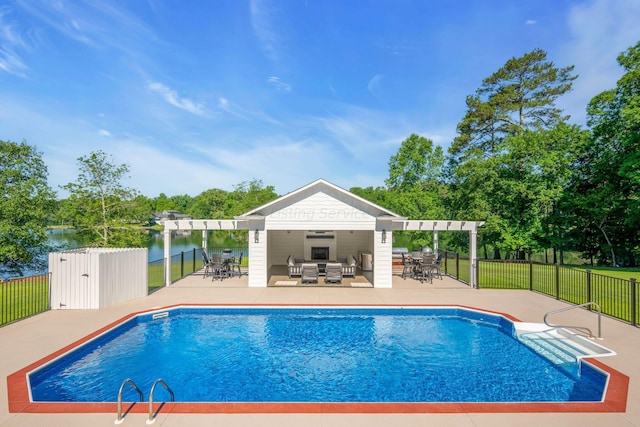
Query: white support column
(473, 255)
(167, 256)
(204, 240)
(435, 242)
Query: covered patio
(321, 222)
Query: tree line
(516, 163)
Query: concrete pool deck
(29, 340)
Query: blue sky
(195, 95)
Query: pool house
(321, 222)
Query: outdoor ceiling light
(256, 236)
(384, 236)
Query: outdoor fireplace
(320, 253)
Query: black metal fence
(618, 298)
(23, 297)
(186, 263)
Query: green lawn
(620, 273)
(23, 297)
(610, 288)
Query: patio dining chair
(206, 263)
(436, 269)
(219, 270)
(422, 273)
(424, 270)
(407, 267)
(236, 263)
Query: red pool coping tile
(615, 399)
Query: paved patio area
(32, 339)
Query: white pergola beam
(206, 224)
(418, 225)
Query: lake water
(65, 239)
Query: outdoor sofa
(349, 265)
(294, 265)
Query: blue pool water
(316, 355)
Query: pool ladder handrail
(582, 329)
(160, 381)
(120, 418)
(151, 420)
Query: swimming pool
(316, 355)
(267, 359)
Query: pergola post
(435, 242)
(167, 256)
(204, 240)
(473, 235)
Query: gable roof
(319, 185)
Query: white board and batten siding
(97, 278)
(320, 211)
(258, 259)
(382, 262)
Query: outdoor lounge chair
(310, 273)
(333, 272)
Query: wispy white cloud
(262, 21)
(374, 84)
(65, 18)
(225, 105)
(172, 97)
(11, 62)
(235, 110)
(279, 84)
(10, 40)
(531, 22)
(94, 24)
(104, 132)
